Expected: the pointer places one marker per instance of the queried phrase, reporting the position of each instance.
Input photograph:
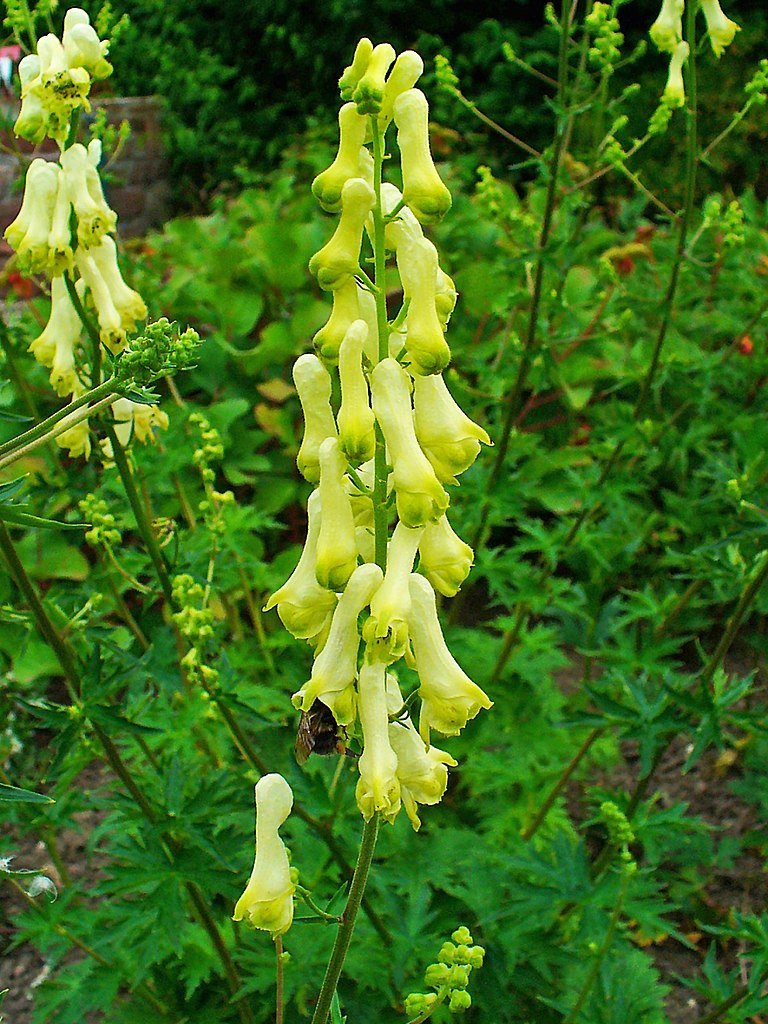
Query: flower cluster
(65, 225)
(389, 449)
(448, 977)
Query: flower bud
(369, 91)
(667, 30)
(302, 604)
(345, 311)
(444, 557)
(335, 668)
(378, 788)
(418, 1003)
(339, 259)
(674, 93)
(386, 631)
(421, 769)
(33, 117)
(449, 697)
(313, 386)
(436, 975)
(357, 439)
(55, 347)
(336, 542)
(423, 190)
(355, 71)
(82, 46)
(449, 438)
(462, 935)
(460, 1001)
(407, 70)
(427, 347)
(721, 29)
(94, 218)
(28, 234)
(420, 496)
(327, 186)
(458, 976)
(475, 956)
(447, 953)
(267, 902)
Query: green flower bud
(313, 386)
(355, 71)
(460, 1001)
(328, 185)
(339, 258)
(423, 190)
(417, 1003)
(437, 975)
(336, 542)
(462, 936)
(446, 954)
(357, 439)
(458, 975)
(475, 956)
(369, 91)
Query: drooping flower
(369, 91)
(444, 557)
(336, 542)
(129, 304)
(378, 788)
(328, 185)
(77, 439)
(335, 667)
(57, 344)
(344, 311)
(267, 902)
(405, 72)
(135, 420)
(313, 386)
(667, 30)
(721, 29)
(94, 217)
(303, 605)
(418, 265)
(33, 117)
(674, 93)
(355, 419)
(420, 496)
(339, 259)
(449, 697)
(29, 233)
(423, 189)
(450, 439)
(355, 71)
(386, 630)
(82, 46)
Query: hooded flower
(423, 189)
(406, 71)
(378, 788)
(339, 259)
(78, 438)
(355, 71)
(29, 233)
(313, 386)
(82, 46)
(327, 186)
(667, 30)
(345, 310)
(302, 604)
(94, 218)
(357, 439)
(449, 438)
(444, 557)
(369, 91)
(721, 29)
(420, 496)
(335, 667)
(267, 902)
(674, 93)
(336, 542)
(422, 770)
(57, 344)
(418, 266)
(128, 303)
(33, 117)
(386, 631)
(449, 697)
(135, 420)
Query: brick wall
(137, 189)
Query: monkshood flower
(386, 630)
(335, 668)
(267, 902)
(674, 93)
(450, 439)
(355, 71)
(444, 558)
(328, 185)
(368, 94)
(355, 418)
(449, 697)
(339, 259)
(135, 421)
(313, 386)
(302, 604)
(422, 770)
(77, 440)
(406, 71)
(721, 29)
(423, 189)
(94, 217)
(32, 122)
(82, 46)
(29, 233)
(378, 788)
(667, 30)
(420, 495)
(336, 542)
(425, 340)
(57, 344)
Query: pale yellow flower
(674, 93)
(313, 386)
(29, 233)
(57, 344)
(667, 30)
(357, 439)
(721, 29)
(344, 311)
(82, 46)
(425, 340)
(378, 788)
(336, 542)
(386, 630)
(423, 189)
(369, 91)
(450, 439)
(405, 72)
(339, 259)
(355, 71)
(94, 217)
(444, 557)
(328, 185)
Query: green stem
(60, 428)
(344, 934)
(529, 832)
(279, 980)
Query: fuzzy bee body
(319, 733)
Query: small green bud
(462, 936)
(436, 975)
(476, 956)
(460, 1001)
(458, 976)
(447, 952)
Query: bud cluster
(65, 225)
(448, 977)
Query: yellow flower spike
(28, 234)
(302, 604)
(56, 345)
(449, 697)
(344, 311)
(369, 91)
(267, 902)
(335, 668)
(378, 789)
(336, 542)
(94, 218)
(674, 93)
(82, 46)
(386, 631)
(420, 496)
(721, 29)
(449, 438)
(422, 770)
(444, 557)
(327, 186)
(313, 386)
(355, 419)
(339, 258)
(355, 71)
(33, 117)
(667, 30)
(111, 329)
(418, 266)
(407, 70)
(128, 303)
(423, 189)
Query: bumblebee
(319, 733)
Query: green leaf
(24, 796)
(14, 515)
